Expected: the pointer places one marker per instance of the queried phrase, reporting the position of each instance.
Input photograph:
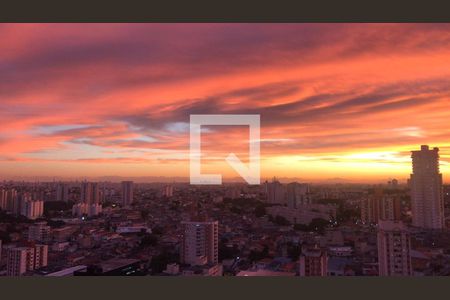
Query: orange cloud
(336, 100)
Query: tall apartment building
(391, 208)
(17, 262)
(3, 201)
(85, 209)
(12, 201)
(427, 198)
(62, 192)
(90, 192)
(380, 207)
(21, 204)
(127, 193)
(394, 247)
(297, 194)
(23, 259)
(32, 209)
(313, 262)
(40, 256)
(275, 192)
(39, 232)
(167, 191)
(200, 243)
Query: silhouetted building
(127, 193)
(275, 192)
(297, 194)
(62, 192)
(90, 192)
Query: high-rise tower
(394, 249)
(200, 243)
(127, 193)
(427, 197)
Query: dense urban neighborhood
(277, 228)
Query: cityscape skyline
(271, 229)
(337, 101)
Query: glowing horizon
(336, 100)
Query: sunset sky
(343, 101)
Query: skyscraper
(90, 192)
(394, 247)
(95, 193)
(11, 200)
(200, 243)
(297, 194)
(275, 192)
(3, 199)
(127, 193)
(427, 198)
(62, 192)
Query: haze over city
(337, 101)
